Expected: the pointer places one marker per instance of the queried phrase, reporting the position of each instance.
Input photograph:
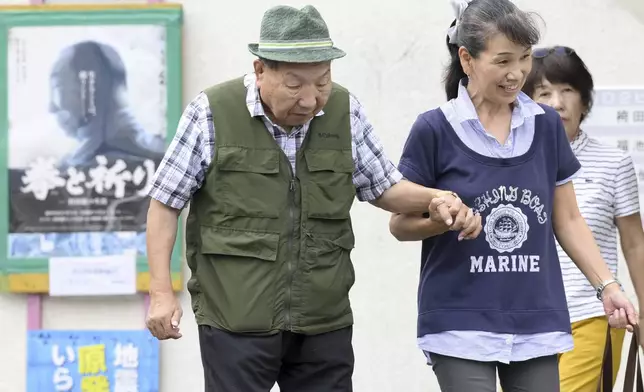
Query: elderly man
(269, 233)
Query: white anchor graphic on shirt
(506, 228)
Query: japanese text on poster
(617, 118)
(92, 361)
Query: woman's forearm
(578, 242)
(414, 227)
(635, 261)
(631, 237)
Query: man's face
(65, 102)
(293, 94)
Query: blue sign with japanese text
(92, 361)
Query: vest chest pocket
(330, 190)
(249, 182)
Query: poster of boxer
(92, 100)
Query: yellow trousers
(580, 369)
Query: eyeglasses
(558, 50)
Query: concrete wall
(395, 57)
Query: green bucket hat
(295, 36)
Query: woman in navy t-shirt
(496, 301)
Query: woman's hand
(619, 309)
(448, 204)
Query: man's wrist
(441, 193)
(161, 293)
(161, 287)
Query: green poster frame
(31, 275)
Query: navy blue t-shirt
(508, 280)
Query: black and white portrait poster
(87, 129)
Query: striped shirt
(481, 345)
(182, 170)
(606, 189)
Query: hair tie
(459, 7)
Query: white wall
(395, 57)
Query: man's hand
(468, 222)
(618, 308)
(444, 208)
(448, 209)
(164, 315)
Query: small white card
(100, 275)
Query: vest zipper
(290, 247)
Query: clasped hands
(448, 209)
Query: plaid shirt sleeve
(188, 157)
(374, 172)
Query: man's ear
(260, 72)
(258, 66)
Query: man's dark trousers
(297, 363)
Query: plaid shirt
(183, 169)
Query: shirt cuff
(166, 199)
(376, 190)
(567, 180)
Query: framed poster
(101, 361)
(92, 100)
(617, 118)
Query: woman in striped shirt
(607, 195)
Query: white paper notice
(102, 275)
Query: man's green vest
(269, 249)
